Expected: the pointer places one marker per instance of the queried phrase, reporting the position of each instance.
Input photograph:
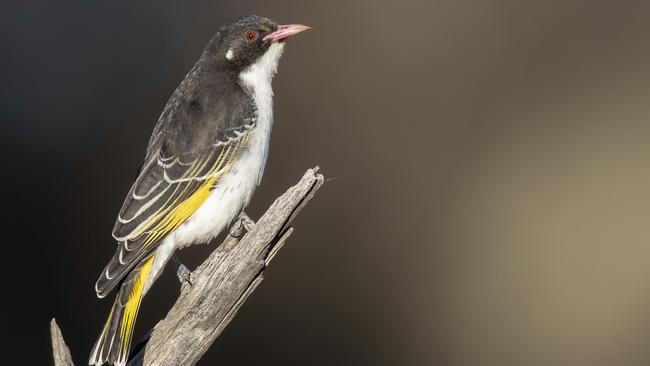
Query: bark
(218, 287)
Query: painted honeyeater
(204, 160)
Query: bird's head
(243, 42)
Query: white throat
(235, 189)
(257, 78)
(259, 75)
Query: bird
(204, 160)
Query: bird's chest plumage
(232, 193)
(234, 190)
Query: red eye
(251, 36)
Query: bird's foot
(241, 225)
(182, 272)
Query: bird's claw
(182, 272)
(241, 225)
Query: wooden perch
(219, 287)
(59, 349)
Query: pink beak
(285, 31)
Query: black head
(241, 42)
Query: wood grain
(219, 287)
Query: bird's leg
(243, 223)
(183, 273)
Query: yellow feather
(167, 219)
(172, 214)
(133, 303)
(142, 228)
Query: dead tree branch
(218, 289)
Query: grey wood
(219, 286)
(60, 351)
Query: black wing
(202, 131)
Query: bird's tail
(114, 342)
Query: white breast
(235, 189)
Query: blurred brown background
(492, 167)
